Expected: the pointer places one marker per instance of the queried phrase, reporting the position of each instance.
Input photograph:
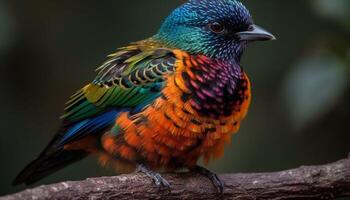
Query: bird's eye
(250, 28)
(216, 27)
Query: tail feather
(45, 165)
(55, 156)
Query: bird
(162, 103)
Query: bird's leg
(156, 177)
(219, 185)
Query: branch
(308, 182)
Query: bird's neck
(197, 46)
(214, 84)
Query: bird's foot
(160, 182)
(219, 185)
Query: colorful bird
(164, 102)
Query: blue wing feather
(88, 126)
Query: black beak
(255, 34)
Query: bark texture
(307, 182)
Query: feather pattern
(201, 105)
(132, 76)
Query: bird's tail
(72, 143)
(44, 165)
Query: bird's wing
(130, 80)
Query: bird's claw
(219, 185)
(161, 183)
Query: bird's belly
(171, 134)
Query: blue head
(216, 28)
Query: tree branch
(308, 182)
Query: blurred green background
(301, 82)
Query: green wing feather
(131, 78)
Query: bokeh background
(301, 83)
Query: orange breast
(170, 132)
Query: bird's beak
(255, 34)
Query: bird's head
(216, 28)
